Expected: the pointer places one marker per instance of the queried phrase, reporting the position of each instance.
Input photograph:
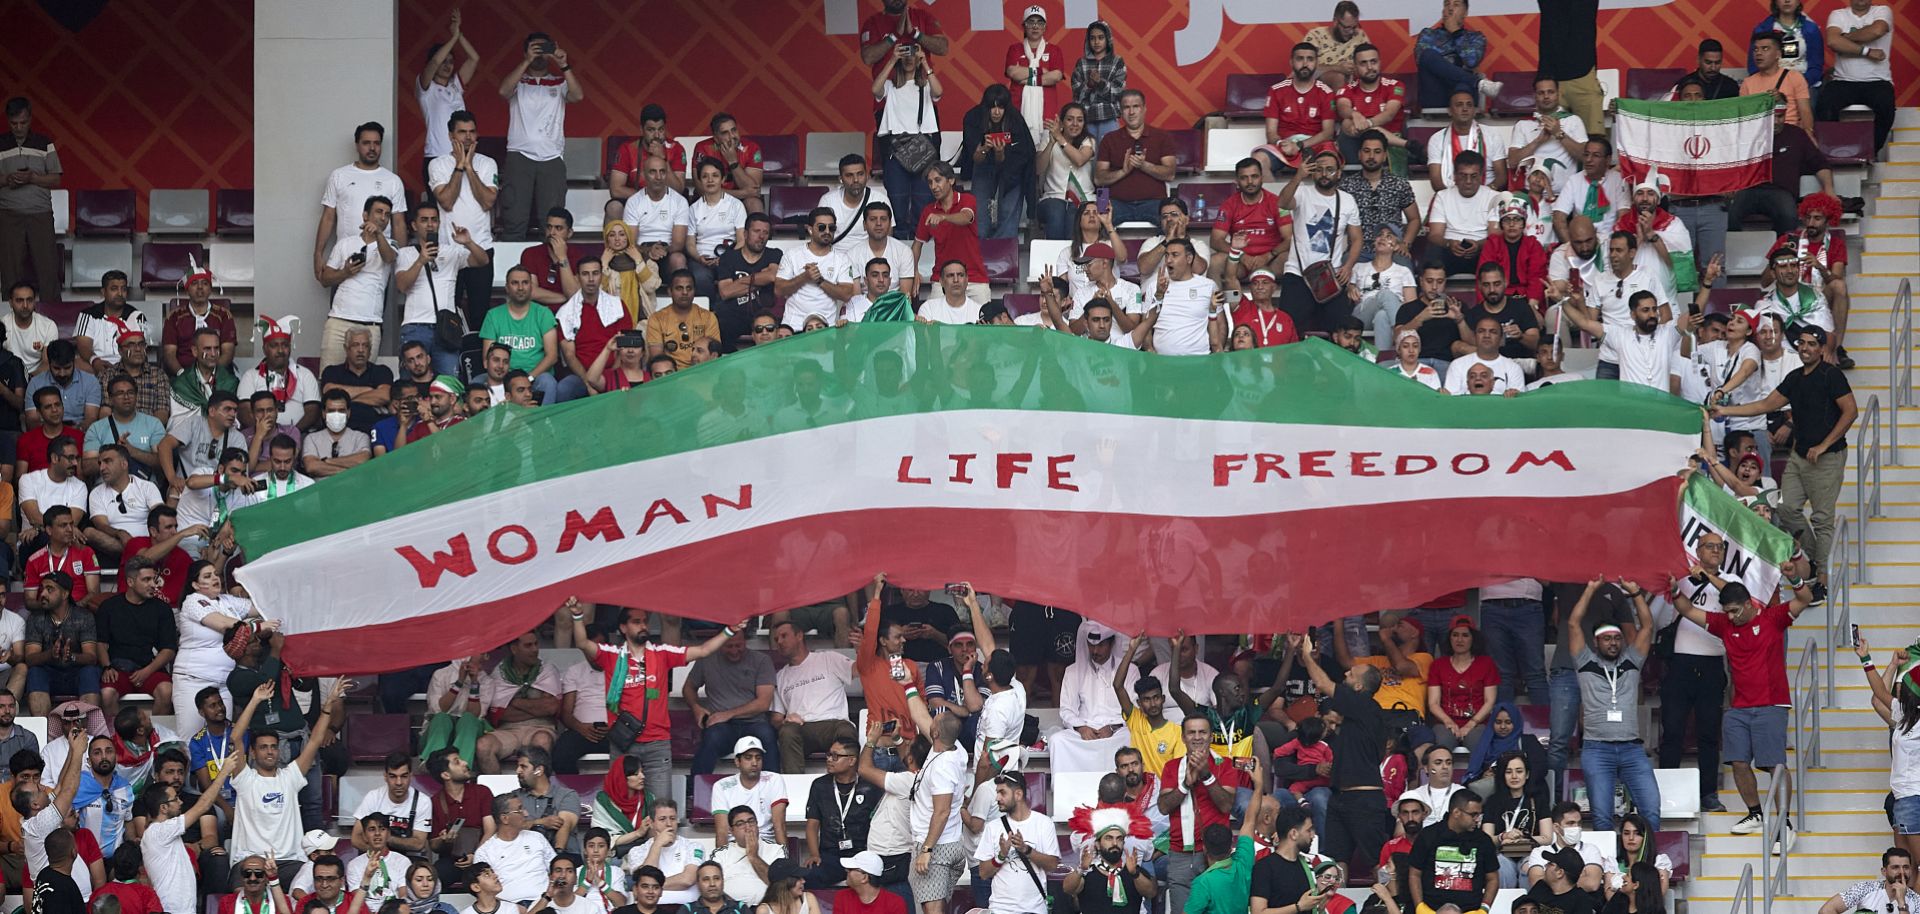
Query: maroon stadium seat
(1188, 151)
(611, 152)
(1674, 845)
(700, 801)
(1724, 300)
(1516, 95)
(64, 314)
(375, 736)
(1652, 83)
(1215, 192)
(103, 212)
(1002, 259)
(1845, 142)
(233, 211)
(1021, 303)
(779, 157)
(163, 264)
(788, 205)
(686, 738)
(1247, 93)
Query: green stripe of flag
(1739, 522)
(1718, 111)
(868, 371)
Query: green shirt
(1225, 887)
(526, 336)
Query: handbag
(915, 151)
(449, 328)
(626, 728)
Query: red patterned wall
(788, 75)
(137, 93)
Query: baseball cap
(1033, 11)
(317, 841)
(782, 870)
(748, 744)
(1568, 860)
(1098, 250)
(1461, 621)
(866, 862)
(1391, 619)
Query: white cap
(748, 742)
(866, 862)
(318, 840)
(1033, 11)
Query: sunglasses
(254, 874)
(761, 328)
(825, 226)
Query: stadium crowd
(1426, 752)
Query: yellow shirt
(1399, 692)
(665, 328)
(1157, 745)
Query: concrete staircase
(1845, 828)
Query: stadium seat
(582, 155)
(1679, 791)
(1002, 259)
(1724, 300)
(64, 314)
(1845, 142)
(686, 739)
(506, 256)
(700, 801)
(686, 146)
(373, 736)
(1247, 94)
(789, 204)
(1609, 80)
(825, 149)
(798, 786)
(233, 212)
(1747, 252)
(1039, 786)
(589, 208)
(1020, 304)
(62, 215)
(177, 212)
(1074, 788)
(94, 256)
(1187, 151)
(103, 212)
(232, 264)
(1215, 193)
(779, 157)
(164, 264)
(1228, 145)
(1417, 138)
(950, 145)
(1652, 83)
(1847, 182)
(1516, 95)
(1043, 253)
(1675, 844)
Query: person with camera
(537, 92)
(621, 365)
(426, 274)
(357, 270)
(561, 897)
(672, 330)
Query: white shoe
(1749, 825)
(1489, 89)
(1785, 843)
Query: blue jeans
(1706, 221)
(1314, 798)
(1100, 129)
(74, 680)
(1605, 764)
(1056, 219)
(1440, 78)
(992, 183)
(982, 889)
(571, 387)
(1148, 211)
(720, 737)
(1515, 630)
(1563, 689)
(445, 361)
(909, 194)
(291, 745)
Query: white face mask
(1570, 834)
(336, 422)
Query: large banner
(1261, 491)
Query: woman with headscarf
(421, 894)
(1504, 734)
(996, 156)
(1099, 76)
(629, 276)
(621, 806)
(1093, 726)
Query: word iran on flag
(1707, 147)
(1755, 548)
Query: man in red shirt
(1299, 115)
(35, 442)
(1197, 791)
(1251, 233)
(638, 674)
(1822, 251)
(1371, 102)
(1134, 163)
(862, 894)
(740, 156)
(1754, 731)
(624, 178)
(898, 22)
(161, 546)
(443, 412)
(948, 223)
(1260, 313)
(63, 553)
(553, 279)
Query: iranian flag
(1260, 491)
(1710, 147)
(1755, 548)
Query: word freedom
(1229, 469)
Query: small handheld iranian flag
(1711, 147)
(1755, 548)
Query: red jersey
(627, 161)
(423, 428)
(951, 241)
(173, 568)
(1370, 102)
(538, 260)
(1205, 813)
(134, 897)
(644, 691)
(884, 27)
(1829, 252)
(34, 445)
(1261, 220)
(1050, 58)
(749, 156)
(1270, 328)
(1756, 655)
(76, 561)
(1299, 113)
(180, 324)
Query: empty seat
(64, 314)
(1747, 252)
(232, 264)
(1676, 846)
(779, 157)
(1020, 304)
(1516, 94)
(164, 264)
(1845, 142)
(62, 214)
(825, 149)
(589, 208)
(103, 212)
(1214, 193)
(1227, 145)
(1002, 259)
(950, 145)
(94, 256)
(375, 736)
(233, 212)
(582, 155)
(177, 212)
(1042, 255)
(788, 205)
(1247, 93)
(1187, 154)
(506, 256)
(1652, 83)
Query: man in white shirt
(518, 855)
(441, 87)
(1326, 229)
(1508, 379)
(849, 203)
(1580, 262)
(878, 225)
(659, 216)
(876, 281)
(1017, 849)
(1103, 281)
(563, 877)
(1550, 137)
(425, 274)
(933, 819)
(465, 183)
(534, 179)
(1567, 835)
(1462, 134)
(809, 697)
(358, 270)
(1190, 320)
(118, 507)
(43, 810)
(1860, 35)
(292, 384)
(1648, 352)
(266, 807)
(1596, 191)
(1606, 301)
(813, 278)
(1094, 724)
(1463, 216)
(951, 306)
(765, 792)
(745, 859)
(665, 850)
(348, 188)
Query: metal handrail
(1743, 892)
(1839, 605)
(1866, 479)
(1899, 364)
(1779, 806)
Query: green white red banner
(1258, 491)
(1755, 548)
(1706, 147)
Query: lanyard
(1613, 682)
(273, 491)
(1268, 330)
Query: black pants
(1693, 686)
(1310, 314)
(1765, 200)
(1837, 95)
(1357, 826)
(473, 289)
(570, 746)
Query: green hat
(449, 384)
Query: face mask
(336, 422)
(1571, 834)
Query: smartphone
(459, 824)
(958, 590)
(545, 47)
(1005, 139)
(630, 339)
(1856, 633)
(1103, 201)
(357, 257)
(890, 726)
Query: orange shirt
(886, 696)
(1794, 87)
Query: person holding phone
(537, 92)
(31, 169)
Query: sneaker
(1712, 804)
(1819, 592)
(1785, 843)
(1750, 825)
(1489, 88)
(1845, 361)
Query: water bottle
(1200, 208)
